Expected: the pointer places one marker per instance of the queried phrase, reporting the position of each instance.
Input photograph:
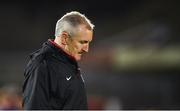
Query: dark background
(134, 59)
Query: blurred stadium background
(134, 59)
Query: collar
(61, 50)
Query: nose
(86, 48)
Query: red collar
(60, 49)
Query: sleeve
(36, 92)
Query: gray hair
(70, 21)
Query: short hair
(70, 21)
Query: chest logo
(68, 78)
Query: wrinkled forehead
(84, 34)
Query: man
(52, 76)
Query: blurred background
(134, 59)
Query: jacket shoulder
(36, 60)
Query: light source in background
(144, 59)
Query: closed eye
(84, 42)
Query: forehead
(84, 34)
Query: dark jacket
(53, 80)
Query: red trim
(60, 49)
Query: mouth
(80, 53)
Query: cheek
(75, 49)
(78, 47)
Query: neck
(58, 41)
(58, 45)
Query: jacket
(53, 81)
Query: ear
(64, 38)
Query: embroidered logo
(68, 78)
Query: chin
(78, 58)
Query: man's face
(79, 44)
